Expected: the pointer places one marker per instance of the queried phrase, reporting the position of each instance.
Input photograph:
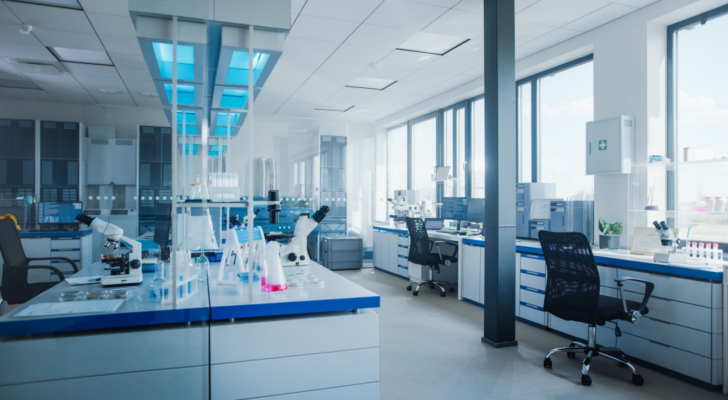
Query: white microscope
(126, 269)
(667, 237)
(295, 252)
(408, 203)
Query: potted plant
(609, 239)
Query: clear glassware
(202, 266)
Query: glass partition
(424, 157)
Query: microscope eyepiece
(319, 215)
(84, 219)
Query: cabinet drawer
(402, 271)
(673, 288)
(533, 279)
(675, 312)
(65, 244)
(72, 254)
(533, 263)
(532, 296)
(402, 259)
(403, 239)
(684, 362)
(683, 338)
(532, 313)
(403, 249)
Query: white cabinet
(111, 161)
(609, 148)
(471, 272)
(393, 258)
(481, 282)
(532, 288)
(375, 248)
(402, 255)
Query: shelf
(213, 204)
(673, 164)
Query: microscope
(295, 252)
(125, 268)
(406, 203)
(668, 239)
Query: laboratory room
(363, 199)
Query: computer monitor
(434, 224)
(58, 213)
(162, 226)
(476, 210)
(455, 208)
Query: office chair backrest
(10, 245)
(572, 285)
(419, 244)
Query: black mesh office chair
(420, 252)
(15, 288)
(572, 294)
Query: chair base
(593, 350)
(432, 283)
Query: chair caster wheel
(547, 363)
(585, 380)
(432, 286)
(414, 293)
(409, 288)
(442, 294)
(571, 355)
(452, 290)
(638, 379)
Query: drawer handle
(660, 321)
(660, 344)
(532, 273)
(531, 289)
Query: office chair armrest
(635, 315)
(68, 260)
(54, 269)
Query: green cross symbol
(602, 145)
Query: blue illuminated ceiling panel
(189, 95)
(188, 117)
(234, 62)
(194, 149)
(234, 98)
(163, 52)
(185, 94)
(214, 150)
(188, 129)
(239, 69)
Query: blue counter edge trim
(662, 269)
(291, 308)
(475, 242)
(381, 228)
(55, 234)
(103, 321)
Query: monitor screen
(162, 224)
(58, 213)
(434, 224)
(476, 210)
(455, 208)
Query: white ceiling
(331, 43)
(334, 41)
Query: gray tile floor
(431, 349)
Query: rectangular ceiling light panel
(333, 107)
(81, 56)
(239, 70)
(189, 117)
(185, 94)
(371, 83)
(189, 130)
(164, 53)
(56, 3)
(233, 98)
(431, 43)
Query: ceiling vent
(37, 67)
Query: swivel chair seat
(420, 252)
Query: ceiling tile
(523, 4)
(12, 74)
(472, 50)
(558, 13)
(324, 114)
(112, 25)
(295, 108)
(430, 77)
(476, 71)
(94, 84)
(556, 36)
(527, 31)
(119, 99)
(523, 52)
(69, 40)
(73, 97)
(128, 61)
(11, 34)
(351, 96)
(451, 65)
(5, 96)
(387, 73)
(379, 36)
(62, 19)
(406, 59)
(36, 53)
(301, 47)
(345, 10)
(360, 54)
(315, 92)
(293, 18)
(6, 16)
(343, 68)
(600, 17)
(97, 71)
(316, 28)
(407, 87)
(135, 74)
(144, 101)
(294, 69)
(121, 45)
(138, 87)
(113, 7)
(462, 24)
(405, 15)
(297, 5)
(441, 3)
(471, 5)
(635, 3)
(14, 83)
(29, 94)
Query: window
(565, 105)
(698, 125)
(478, 148)
(424, 156)
(460, 171)
(396, 160)
(448, 158)
(524, 133)
(380, 213)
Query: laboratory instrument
(535, 226)
(276, 280)
(525, 194)
(406, 203)
(126, 268)
(162, 226)
(573, 216)
(668, 239)
(237, 250)
(295, 252)
(274, 209)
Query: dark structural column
(500, 174)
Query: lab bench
(318, 339)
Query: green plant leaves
(610, 229)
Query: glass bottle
(202, 265)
